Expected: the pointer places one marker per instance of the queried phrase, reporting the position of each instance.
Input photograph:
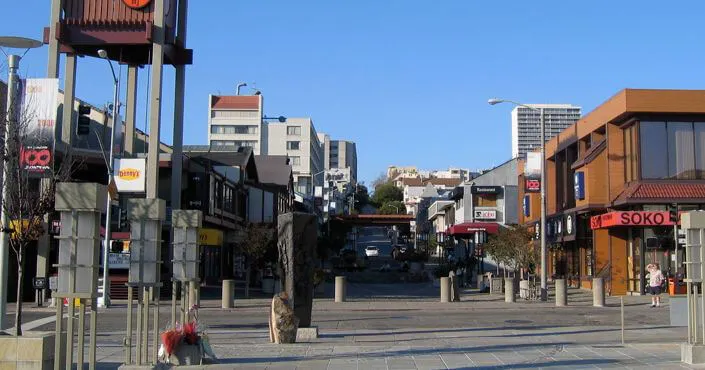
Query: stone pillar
(479, 281)
(561, 293)
(509, 295)
(340, 289)
(194, 295)
(298, 236)
(445, 289)
(598, 292)
(228, 293)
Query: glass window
(296, 161)
(653, 140)
(681, 156)
(293, 145)
(699, 136)
(293, 130)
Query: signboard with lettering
(579, 186)
(118, 260)
(532, 172)
(486, 189)
(526, 205)
(40, 104)
(485, 214)
(212, 237)
(631, 218)
(130, 175)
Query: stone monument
(297, 239)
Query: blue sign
(579, 186)
(527, 206)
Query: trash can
(676, 286)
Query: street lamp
(104, 301)
(544, 262)
(13, 64)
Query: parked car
(372, 251)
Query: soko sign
(631, 218)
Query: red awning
(473, 227)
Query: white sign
(130, 175)
(118, 260)
(486, 214)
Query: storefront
(648, 237)
(213, 255)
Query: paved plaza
(404, 327)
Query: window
(486, 200)
(681, 156)
(653, 143)
(672, 150)
(293, 130)
(233, 114)
(293, 145)
(630, 153)
(295, 161)
(233, 129)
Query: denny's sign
(631, 218)
(130, 175)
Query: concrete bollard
(340, 289)
(228, 294)
(509, 295)
(561, 293)
(479, 281)
(445, 289)
(598, 292)
(194, 294)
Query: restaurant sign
(631, 218)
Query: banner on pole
(532, 173)
(37, 124)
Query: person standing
(655, 280)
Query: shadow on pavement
(563, 364)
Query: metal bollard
(340, 289)
(228, 294)
(598, 292)
(509, 295)
(445, 289)
(561, 293)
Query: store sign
(579, 187)
(136, 4)
(570, 223)
(486, 189)
(532, 172)
(210, 237)
(631, 218)
(130, 175)
(526, 205)
(118, 260)
(485, 214)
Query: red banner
(631, 218)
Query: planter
(268, 285)
(187, 354)
(33, 350)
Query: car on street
(372, 251)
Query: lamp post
(544, 262)
(104, 301)
(13, 65)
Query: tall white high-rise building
(526, 125)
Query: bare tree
(28, 197)
(381, 179)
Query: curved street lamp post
(544, 262)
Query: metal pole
(128, 337)
(621, 310)
(81, 332)
(94, 330)
(116, 111)
(13, 62)
(544, 262)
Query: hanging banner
(532, 172)
(36, 124)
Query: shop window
(672, 150)
(485, 200)
(653, 140)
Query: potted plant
(186, 344)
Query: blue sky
(409, 80)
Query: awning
(473, 227)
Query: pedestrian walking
(655, 277)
